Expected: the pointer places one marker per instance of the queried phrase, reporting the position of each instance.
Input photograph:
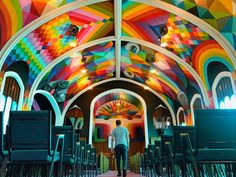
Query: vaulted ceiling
(166, 46)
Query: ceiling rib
(117, 18)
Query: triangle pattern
(212, 22)
(201, 11)
(222, 24)
(189, 5)
(230, 37)
(210, 2)
(33, 10)
(208, 15)
(221, 14)
(202, 4)
(194, 11)
(30, 18)
(220, 7)
(39, 6)
(230, 25)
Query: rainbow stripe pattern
(143, 22)
(49, 41)
(18, 13)
(164, 75)
(206, 52)
(220, 14)
(84, 68)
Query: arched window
(223, 91)
(180, 116)
(196, 103)
(43, 100)
(12, 94)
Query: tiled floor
(114, 174)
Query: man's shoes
(119, 175)
(124, 173)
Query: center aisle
(114, 174)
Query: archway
(138, 97)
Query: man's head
(118, 122)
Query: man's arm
(112, 143)
(127, 138)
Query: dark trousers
(121, 151)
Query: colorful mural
(180, 36)
(207, 52)
(114, 106)
(52, 39)
(220, 14)
(118, 105)
(84, 68)
(16, 14)
(42, 46)
(156, 70)
(144, 22)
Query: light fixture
(150, 58)
(83, 59)
(163, 44)
(73, 44)
(90, 87)
(73, 30)
(163, 30)
(153, 71)
(83, 71)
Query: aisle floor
(114, 174)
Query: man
(120, 135)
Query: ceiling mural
(49, 47)
(144, 22)
(54, 38)
(154, 69)
(220, 14)
(118, 109)
(84, 68)
(118, 105)
(17, 14)
(207, 52)
(118, 97)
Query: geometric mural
(219, 14)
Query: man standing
(120, 135)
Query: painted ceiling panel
(118, 109)
(144, 22)
(52, 39)
(207, 52)
(40, 47)
(18, 13)
(162, 74)
(118, 105)
(84, 68)
(220, 14)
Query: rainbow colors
(207, 52)
(84, 68)
(16, 14)
(117, 99)
(51, 40)
(143, 22)
(164, 75)
(220, 14)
